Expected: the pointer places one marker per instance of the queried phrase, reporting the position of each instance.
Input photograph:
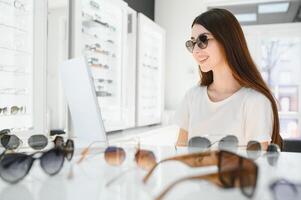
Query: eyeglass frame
(190, 44)
(216, 157)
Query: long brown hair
(226, 30)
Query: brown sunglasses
(233, 171)
(115, 156)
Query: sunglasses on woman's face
(233, 170)
(201, 41)
(15, 166)
(115, 156)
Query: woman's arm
(182, 138)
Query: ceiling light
(273, 8)
(246, 17)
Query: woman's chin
(205, 69)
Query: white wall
(176, 16)
(181, 72)
(57, 53)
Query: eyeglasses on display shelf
(97, 20)
(103, 94)
(13, 110)
(102, 80)
(102, 32)
(16, 65)
(94, 62)
(97, 48)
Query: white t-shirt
(246, 114)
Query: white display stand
(81, 97)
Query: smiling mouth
(203, 60)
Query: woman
(232, 97)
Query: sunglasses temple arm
(84, 154)
(177, 158)
(211, 177)
(149, 173)
(119, 176)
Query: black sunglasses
(15, 166)
(201, 41)
(67, 147)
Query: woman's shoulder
(255, 97)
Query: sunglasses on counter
(115, 156)
(15, 166)
(12, 142)
(233, 171)
(283, 189)
(253, 152)
(36, 142)
(67, 147)
(229, 143)
(201, 42)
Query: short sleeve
(259, 118)
(181, 116)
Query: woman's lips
(201, 60)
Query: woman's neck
(223, 81)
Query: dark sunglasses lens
(248, 177)
(69, 149)
(4, 132)
(229, 143)
(114, 155)
(52, 161)
(15, 166)
(202, 41)
(190, 45)
(228, 165)
(273, 153)
(273, 148)
(145, 159)
(10, 142)
(253, 149)
(198, 143)
(38, 142)
(59, 141)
